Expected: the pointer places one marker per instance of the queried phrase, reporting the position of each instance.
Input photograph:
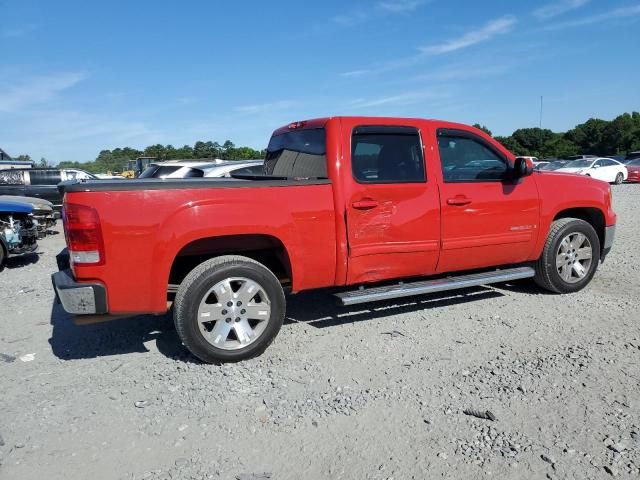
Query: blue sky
(80, 76)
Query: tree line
(118, 158)
(594, 137)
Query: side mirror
(596, 166)
(522, 167)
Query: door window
(44, 177)
(387, 155)
(467, 159)
(11, 177)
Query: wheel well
(593, 216)
(265, 249)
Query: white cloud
(37, 90)
(558, 8)
(381, 8)
(400, 6)
(495, 27)
(463, 72)
(618, 13)
(408, 98)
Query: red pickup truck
(347, 202)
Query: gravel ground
(358, 392)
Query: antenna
(541, 100)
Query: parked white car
(196, 169)
(605, 169)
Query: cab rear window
(297, 154)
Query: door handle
(459, 200)
(365, 204)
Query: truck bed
(149, 224)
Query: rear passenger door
(487, 219)
(43, 184)
(392, 210)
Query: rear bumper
(609, 236)
(79, 298)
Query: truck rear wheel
(228, 309)
(570, 256)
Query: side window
(11, 177)
(465, 159)
(600, 163)
(194, 173)
(44, 177)
(387, 155)
(610, 163)
(254, 170)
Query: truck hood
(15, 207)
(36, 203)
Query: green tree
(483, 128)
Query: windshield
(297, 154)
(579, 164)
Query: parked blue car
(18, 231)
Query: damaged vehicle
(18, 231)
(43, 214)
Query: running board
(364, 295)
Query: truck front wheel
(228, 309)
(570, 256)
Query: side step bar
(365, 295)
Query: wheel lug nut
(243, 311)
(239, 303)
(224, 312)
(229, 304)
(237, 319)
(228, 320)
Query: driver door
(487, 219)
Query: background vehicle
(605, 169)
(236, 167)
(344, 202)
(631, 156)
(18, 233)
(195, 169)
(555, 165)
(176, 169)
(577, 157)
(137, 166)
(43, 213)
(39, 182)
(633, 167)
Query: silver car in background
(198, 169)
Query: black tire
(196, 285)
(3, 257)
(619, 179)
(547, 275)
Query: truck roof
(321, 122)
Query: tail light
(83, 234)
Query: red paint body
(634, 173)
(339, 233)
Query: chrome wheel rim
(234, 313)
(574, 256)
